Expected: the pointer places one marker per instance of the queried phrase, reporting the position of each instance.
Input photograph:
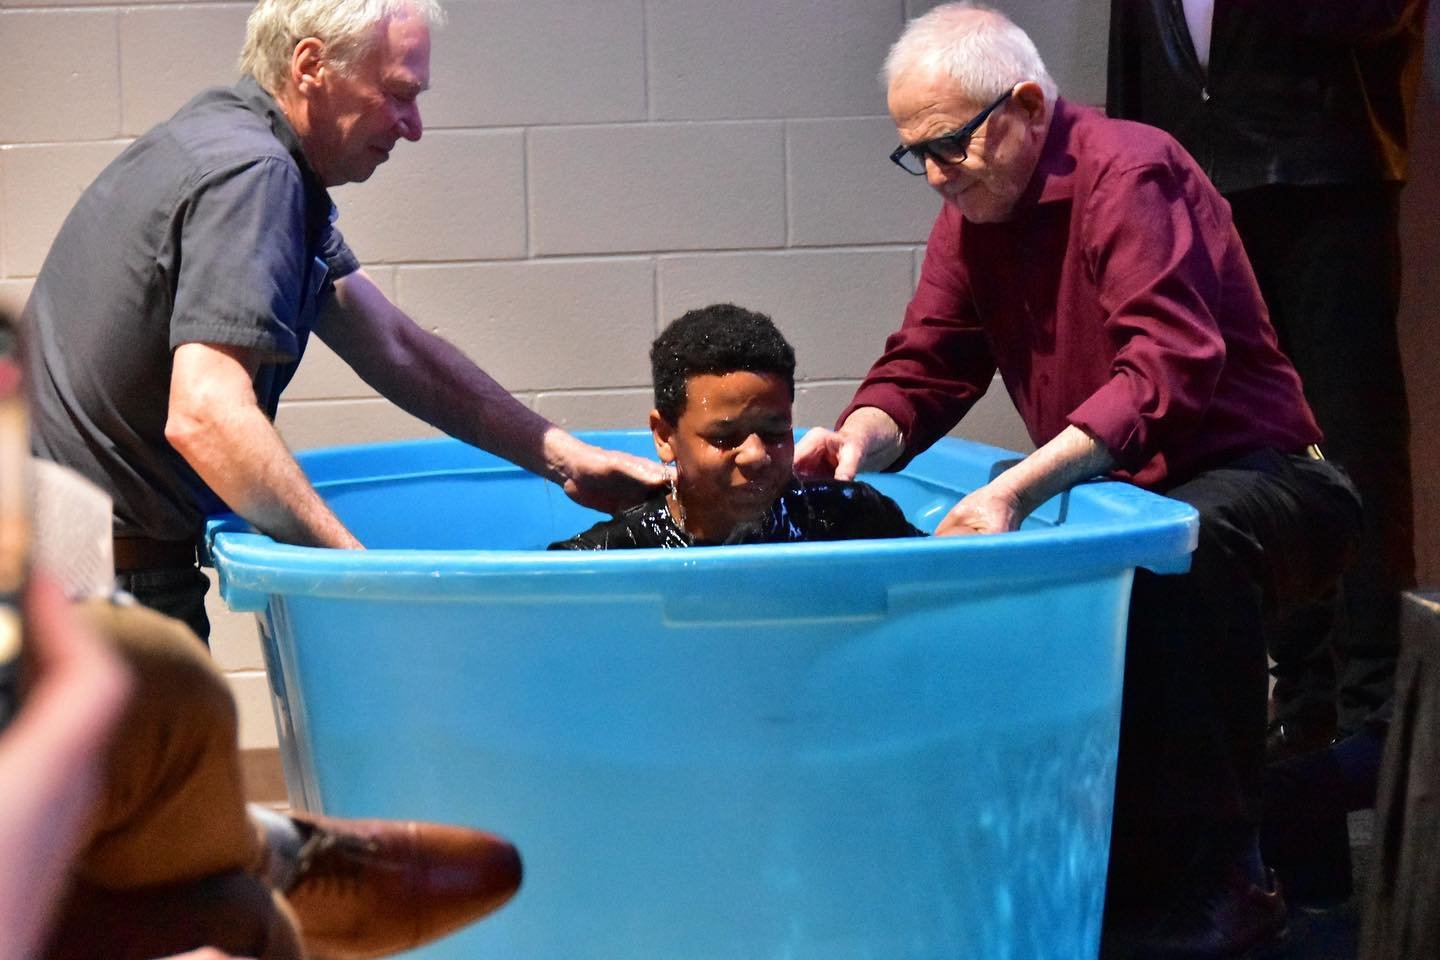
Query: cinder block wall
(589, 170)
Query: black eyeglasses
(946, 150)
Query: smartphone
(14, 516)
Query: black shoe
(1225, 916)
(1305, 836)
(1291, 736)
(1312, 859)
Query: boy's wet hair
(718, 339)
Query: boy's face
(733, 447)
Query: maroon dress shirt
(1117, 298)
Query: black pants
(1275, 531)
(1328, 262)
(177, 592)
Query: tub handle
(779, 602)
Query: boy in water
(724, 382)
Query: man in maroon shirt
(1092, 263)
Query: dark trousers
(177, 592)
(1328, 262)
(1275, 530)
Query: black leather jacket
(1298, 92)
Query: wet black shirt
(819, 510)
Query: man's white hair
(346, 27)
(979, 48)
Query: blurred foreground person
(123, 828)
(121, 784)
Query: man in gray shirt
(178, 297)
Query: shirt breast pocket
(314, 293)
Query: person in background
(724, 381)
(1300, 112)
(179, 295)
(1092, 262)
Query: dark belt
(142, 553)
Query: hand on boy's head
(868, 440)
(821, 454)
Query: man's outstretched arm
(428, 377)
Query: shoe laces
(328, 859)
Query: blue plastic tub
(889, 750)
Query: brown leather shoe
(369, 888)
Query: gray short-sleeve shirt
(211, 228)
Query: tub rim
(252, 566)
